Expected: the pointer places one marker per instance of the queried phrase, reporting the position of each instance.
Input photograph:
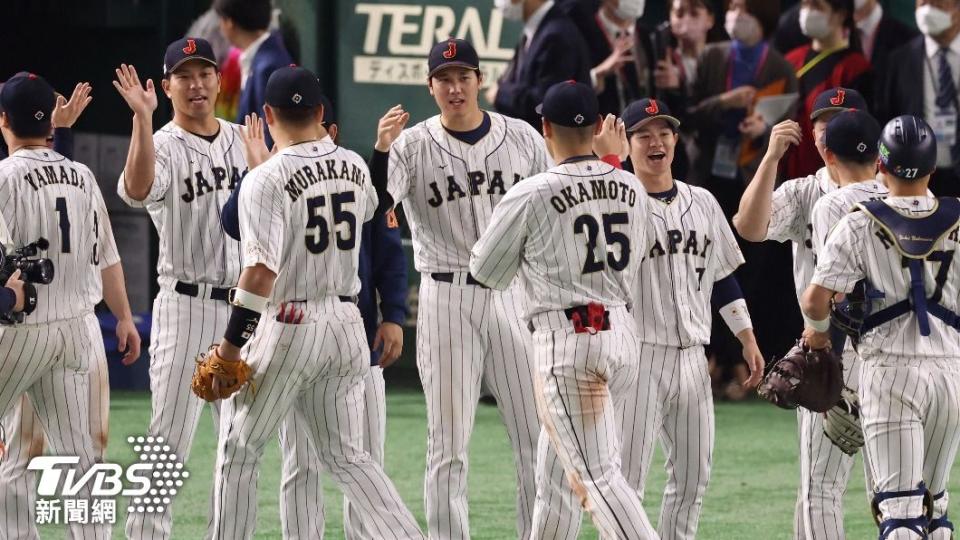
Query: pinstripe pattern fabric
(25, 440)
(911, 423)
(183, 327)
(301, 494)
(193, 179)
(791, 208)
(671, 403)
(432, 172)
(45, 195)
(581, 380)
(468, 334)
(50, 363)
(830, 209)
(316, 367)
(449, 190)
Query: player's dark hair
(477, 71)
(250, 15)
(29, 130)
(865, 159)
(298, 118)
(575, 135)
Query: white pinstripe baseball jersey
(451, 187)
(193, 179)
(43, 194)
(4, 232)
(106, 250)
(580, 228)
(790, 220)
(689, 247)
(858, 249)
(828, 211)
(327, 189)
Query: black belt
(447, 277)
(192, 289)
(349, 299)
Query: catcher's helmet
(908, 148)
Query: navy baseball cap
(837, 99)
(293, 87)
(853, 135)
(452, 53)
(27, 99)
(570, 104)
(646, 110)
(186, 49)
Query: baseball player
(45, 195)
(299, 213)
(182, 175)
(689, 246)
(24, 435)
(383, 277)
(575, 234)
(450, 171)
(909, 383)
(785, 215)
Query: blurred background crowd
(729, 69)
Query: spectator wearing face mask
(921, 79)
(832, 58)
(729, 77)
(551, 50)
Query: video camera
(33, 269)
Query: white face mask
(629, 10)
(743, 27)
(510, 11)
(933, 21)
(814, 24)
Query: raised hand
(255, 149)
(66, 113)
(141, 100)
(390, 126)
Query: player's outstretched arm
(138, 172)
(115, 295)
(255, 149)
(389, 127)
(257, 283)
(753, 216)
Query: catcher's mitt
(841, 423)
(216, 378)
(803, 377)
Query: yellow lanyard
(817, 59)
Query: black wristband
(241, 326)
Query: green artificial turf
(751, 495)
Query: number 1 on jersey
(64, 225)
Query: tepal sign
(398, 37)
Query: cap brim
(820, 112)
(669, 119)
(446, 65)
(188, 59)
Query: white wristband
(822, 326)
(736, 315)
(248, 300)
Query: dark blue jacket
(271, 56)
(383, 269)
(556, 53)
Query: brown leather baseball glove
(805, 378)
(216, 378)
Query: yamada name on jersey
(218, 174)
(599, 189)
(51, 175)
(474, 180)
(691, 246)
(329, 169)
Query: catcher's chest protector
(915, 238)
